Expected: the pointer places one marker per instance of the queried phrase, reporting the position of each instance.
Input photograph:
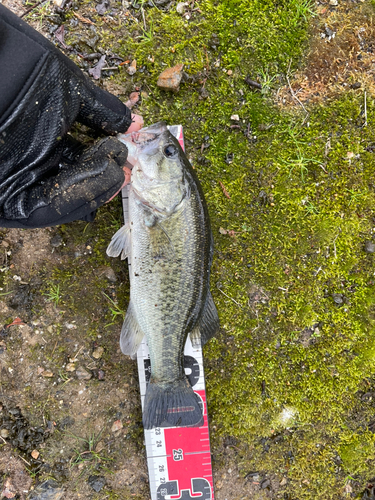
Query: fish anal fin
(131, 334)
(120, 243)
(209, 323)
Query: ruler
(178, 458)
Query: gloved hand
(46, 178)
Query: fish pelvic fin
(120, 243)
(208, 325)
(131, 334)
(174, 405)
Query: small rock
(369, 247)
(4, 244)
(35, 454)
(229, 72)
(4, 433)
(9, 491)
(83, 374)
(338, 298)
(235, 118)
(56, 241)
(47, 373)
(132, 68)
(333, 2)
(116, 426)
(96, 482)
(356, 85)
(181, 7)
(49, 490)
(70, 367)
(266, 483)
(98, 353)
(283, 481)
(170, 78)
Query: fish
(169, 245)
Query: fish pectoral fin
(120, 243)
(160, 243)
(131, 334)
(209, 324)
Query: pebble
(132, 68)
(338, 298)
(70, 367)
(49, 490)
(229, 72)
(56, 241)
(170, 78)
(96, 482)
(47, 373)
(333, 2)
(116, 426)
(108, 272)
(83, 374)
(235, 118)
(265, 484)
(9, 491)
(369, 247)
(98, 353)
(181, 7)
(35, 454)
(4, 433)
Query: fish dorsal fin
(208, 325)
(131, 334)
(160, 243)
(120, 243)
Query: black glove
(45, 179)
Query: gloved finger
(101, 110)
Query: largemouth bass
(169, 245)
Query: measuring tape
(178, 458)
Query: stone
(35, 454)
(83, 374)
(49, 490)
(181, 7)
(70, 367)
(132, 68)
(98, 353)
(116, 426)
(369, 247)
(170, 78)
(96, 482)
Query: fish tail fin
(174, 405)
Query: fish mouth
(148, 134)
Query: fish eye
(170, 150)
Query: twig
(365, 124)
(220, 290)
(25, 461)
(1, 437)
